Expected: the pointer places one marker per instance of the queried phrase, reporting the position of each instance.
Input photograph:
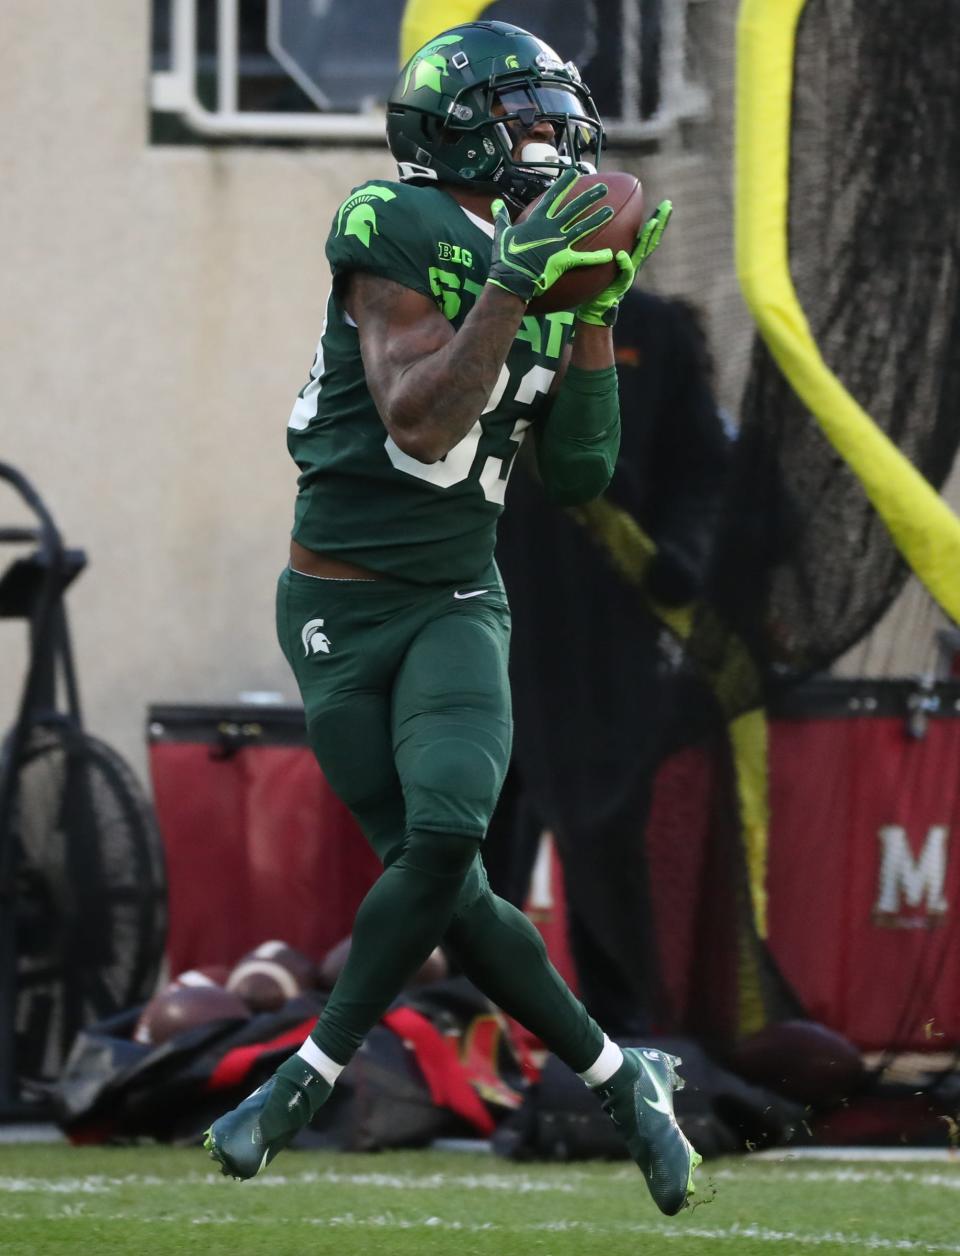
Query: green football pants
(406, 697)
(407, 706)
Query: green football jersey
(360, 497)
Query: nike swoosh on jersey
(476, 593)
(514, 247)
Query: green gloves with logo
(531, 255)
(602, 310)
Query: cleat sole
(215, 1155)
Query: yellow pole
(922, 525)
(423, 19)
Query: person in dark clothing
(594, 700)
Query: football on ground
(180, 1007)
(802, 1059)
(203, 975)
(433, 968)
(271, 974)
(582, 283)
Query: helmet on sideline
(463, 99)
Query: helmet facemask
(507, 111)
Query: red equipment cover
(864, 886)
(257, 844)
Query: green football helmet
(465, 98)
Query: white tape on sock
(320, 1062)
(605, 1065)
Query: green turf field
(145, 1200)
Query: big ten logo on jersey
(911, 886)
(455, 294)
(454, 253)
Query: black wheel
(90, 893)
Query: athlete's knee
(475, 887)
(453, 784)
(447, 855)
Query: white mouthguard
(533, 154)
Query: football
(433, 968)
(625, 197)
(182, 1007)
(802, 1060)
(202, 975)
(271, 974)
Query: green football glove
(531, 255)
(602, 310)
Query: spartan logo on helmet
(428, 68)
(464, 100)
(314, 641)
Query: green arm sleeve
(577, 445)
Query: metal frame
(175, 90)
(51, 568)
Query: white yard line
(943, 1155)
(842, 1177)
(512, 1183)
(770, 1173)
(849, 1241)
(93, 1184)
(99, 1184)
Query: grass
(159, 1200)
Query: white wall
(159, 311)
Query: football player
(429, 373)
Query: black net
(806, 566)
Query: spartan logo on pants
(911, 882)
(314, 641)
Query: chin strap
(525, 183)
(521, 187)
